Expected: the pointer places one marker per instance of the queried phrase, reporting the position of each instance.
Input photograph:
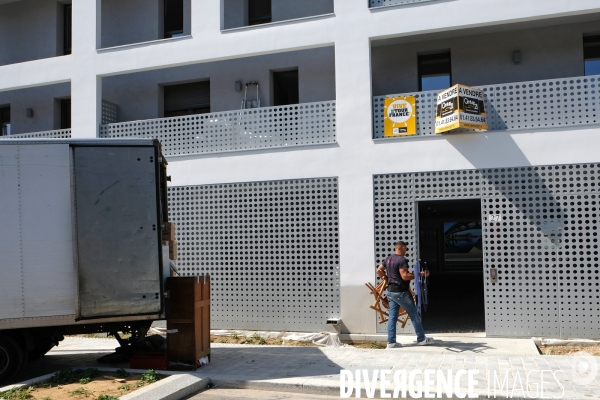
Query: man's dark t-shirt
(392, 266)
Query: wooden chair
(381, 303)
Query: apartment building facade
(285, 188)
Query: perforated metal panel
(260, 128)
(271, 249)
(388, 3)
(522, 105)
(60, 134)
(545, 246)
(110, 112)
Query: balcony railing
(513, 106)
(252, 129)
(389, 3)
(57, 134)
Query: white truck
(82, 224)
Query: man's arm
(381, 271)
(407, 276)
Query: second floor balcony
(302, 124)
(560, 102)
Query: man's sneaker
(394, 345)
(426, 341)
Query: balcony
(515, 106)
(55, 134)
(391, 3)
(302, 124)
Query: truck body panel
(80, 232)
(36, 245)
(118, 231)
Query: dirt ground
(568, 350)
(235, 339)
(102, 386)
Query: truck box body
(80, 231)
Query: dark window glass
(285, 88)
(187, 99)
(4, 121)
(67, 29)
(591, 55)
(259, 12)
(173, 18)
(434, 71)
(65, 114)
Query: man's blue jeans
(404, 300)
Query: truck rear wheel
(11, 358)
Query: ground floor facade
(513, 251)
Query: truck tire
(11, 358)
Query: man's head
(400, 248)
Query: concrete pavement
(312, 370)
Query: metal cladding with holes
(545, 247)
(110, 112)
(511, 106)
(271, 249)
(57, 134)
(389, 3)
(253, 129)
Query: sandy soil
(255, 340)
(103, 384)
(568, 350)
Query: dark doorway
(450, 242)
(285, 88)
(65, 113)
(259, 12)
(5, 121)
(173, 14)
(187, 99)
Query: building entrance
(451, 244)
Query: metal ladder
(253, 103)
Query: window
(259, 12)
(65, 114)
(187, 99)
(67, 28)
(4, 121)
(173, 12)
(434, 71)
(285, 88)
(591, 55)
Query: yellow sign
(399, 116)
(460, 107)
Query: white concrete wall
(30, 30)
(139, 95)
(46, 116)
(483, 59)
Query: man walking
(395, 267)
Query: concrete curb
(174, 387)
(325, 387)
(177, 385)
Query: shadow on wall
(513, 183)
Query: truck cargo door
(118, 231)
